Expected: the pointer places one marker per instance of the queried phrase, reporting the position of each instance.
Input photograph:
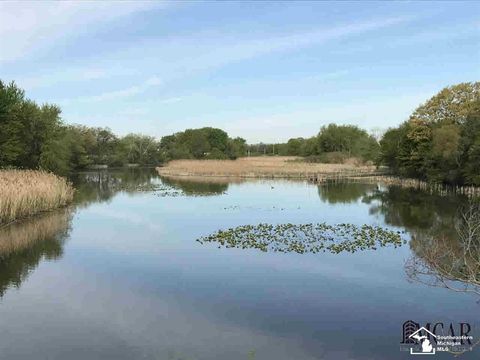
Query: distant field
(262, 166)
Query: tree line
(34, 136)
(333, 144)
(440, 142)
(204, 143)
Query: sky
(265, 71)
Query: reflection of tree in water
(415, 210)
(102, 185)
(344, 192)
(445, 234)
(23, 245)
(448, 261)
(208, 186)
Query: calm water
(120, 275)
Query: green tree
(470, 146)
(451, 105)
(440, 140)
(140, 149)
(294, 146)
(347, 139)
(203, 143)
(11, 127)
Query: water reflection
(344, 192)
(145, 289)
(449, 260)
(428, 218)
(23, 245)
(102, 185)
(415, 210)
(192, 186)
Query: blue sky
(266, 71)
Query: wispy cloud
(213, 52)
(120, 93)
(171, 100)
(182, 56)
(443, 34)
(65, 75)
(26, 26)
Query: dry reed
(259, 167)
(28, 192)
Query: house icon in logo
(422, 337)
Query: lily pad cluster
(306, 238)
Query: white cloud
(26, 26)
(65, 75)
(204, 51)
(171, 100)
(119, 94)
(445, 34)
(181, 56)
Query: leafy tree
(451, 105)
(294, 146)
(348, 139)
(11, 127)
(440, 140)
(56, 153)
(309, 147)
(204, 143)
(470, 146)
(140, 149)
(390, 146)
(236, 148)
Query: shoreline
(264, 167)
(318, 173)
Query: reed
(25, 193)
(259, 167)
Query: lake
(120, 275)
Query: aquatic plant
(27, 192)
(306, 238)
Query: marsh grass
(259, 167)
(25, 193)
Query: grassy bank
(25, 193)
(260, 167)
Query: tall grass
(27, 192)
(263, 166)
